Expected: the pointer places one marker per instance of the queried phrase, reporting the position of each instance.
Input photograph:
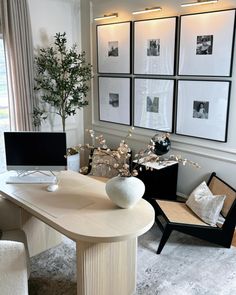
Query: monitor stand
(22, 173)
(32, 178)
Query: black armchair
(179, 217)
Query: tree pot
(73, 162)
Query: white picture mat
(163, 29)
(120, 86)
(120, 33)
(164, 89)
(216, 93)
(221, 26)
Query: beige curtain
(17, 38)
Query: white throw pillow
(205, 205)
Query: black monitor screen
(35, 150)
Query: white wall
(212, 156)
(49, 17)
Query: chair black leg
(164, 239)
(160, 225)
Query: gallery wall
(49, 17)
(211, 155)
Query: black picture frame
(153, 103)
(114, 48)
(206, 44)
(151, 38)
(114, 99)
(202, 109)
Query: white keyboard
(31, 179)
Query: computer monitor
(33, 151)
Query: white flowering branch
(121, 156)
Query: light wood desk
(105, 235)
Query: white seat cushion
(18, 236)
(13, 268)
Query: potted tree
(62, 78)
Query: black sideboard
(161, 182)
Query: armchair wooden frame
(221, 234)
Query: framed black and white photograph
(206, 43)
(114, 95)
(202, 109)
(154, 46)
(114, 48)
(153, 103)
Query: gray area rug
(186, 266)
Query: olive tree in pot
(62, 79)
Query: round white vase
(125, 191)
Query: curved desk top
(80, 209)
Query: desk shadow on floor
(44, 286)
(53, 272)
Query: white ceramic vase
(125, 191)
(73, 162)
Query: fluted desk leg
(106, 268)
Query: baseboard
(182, 196)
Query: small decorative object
(62, 77)
(114, 48)
(202, 109)
(162, 144)
(114, 99)
(154, 46)
(206, 49)
(153, 103)
(125, 191)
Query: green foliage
(62, 77)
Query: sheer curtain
(17, 37)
